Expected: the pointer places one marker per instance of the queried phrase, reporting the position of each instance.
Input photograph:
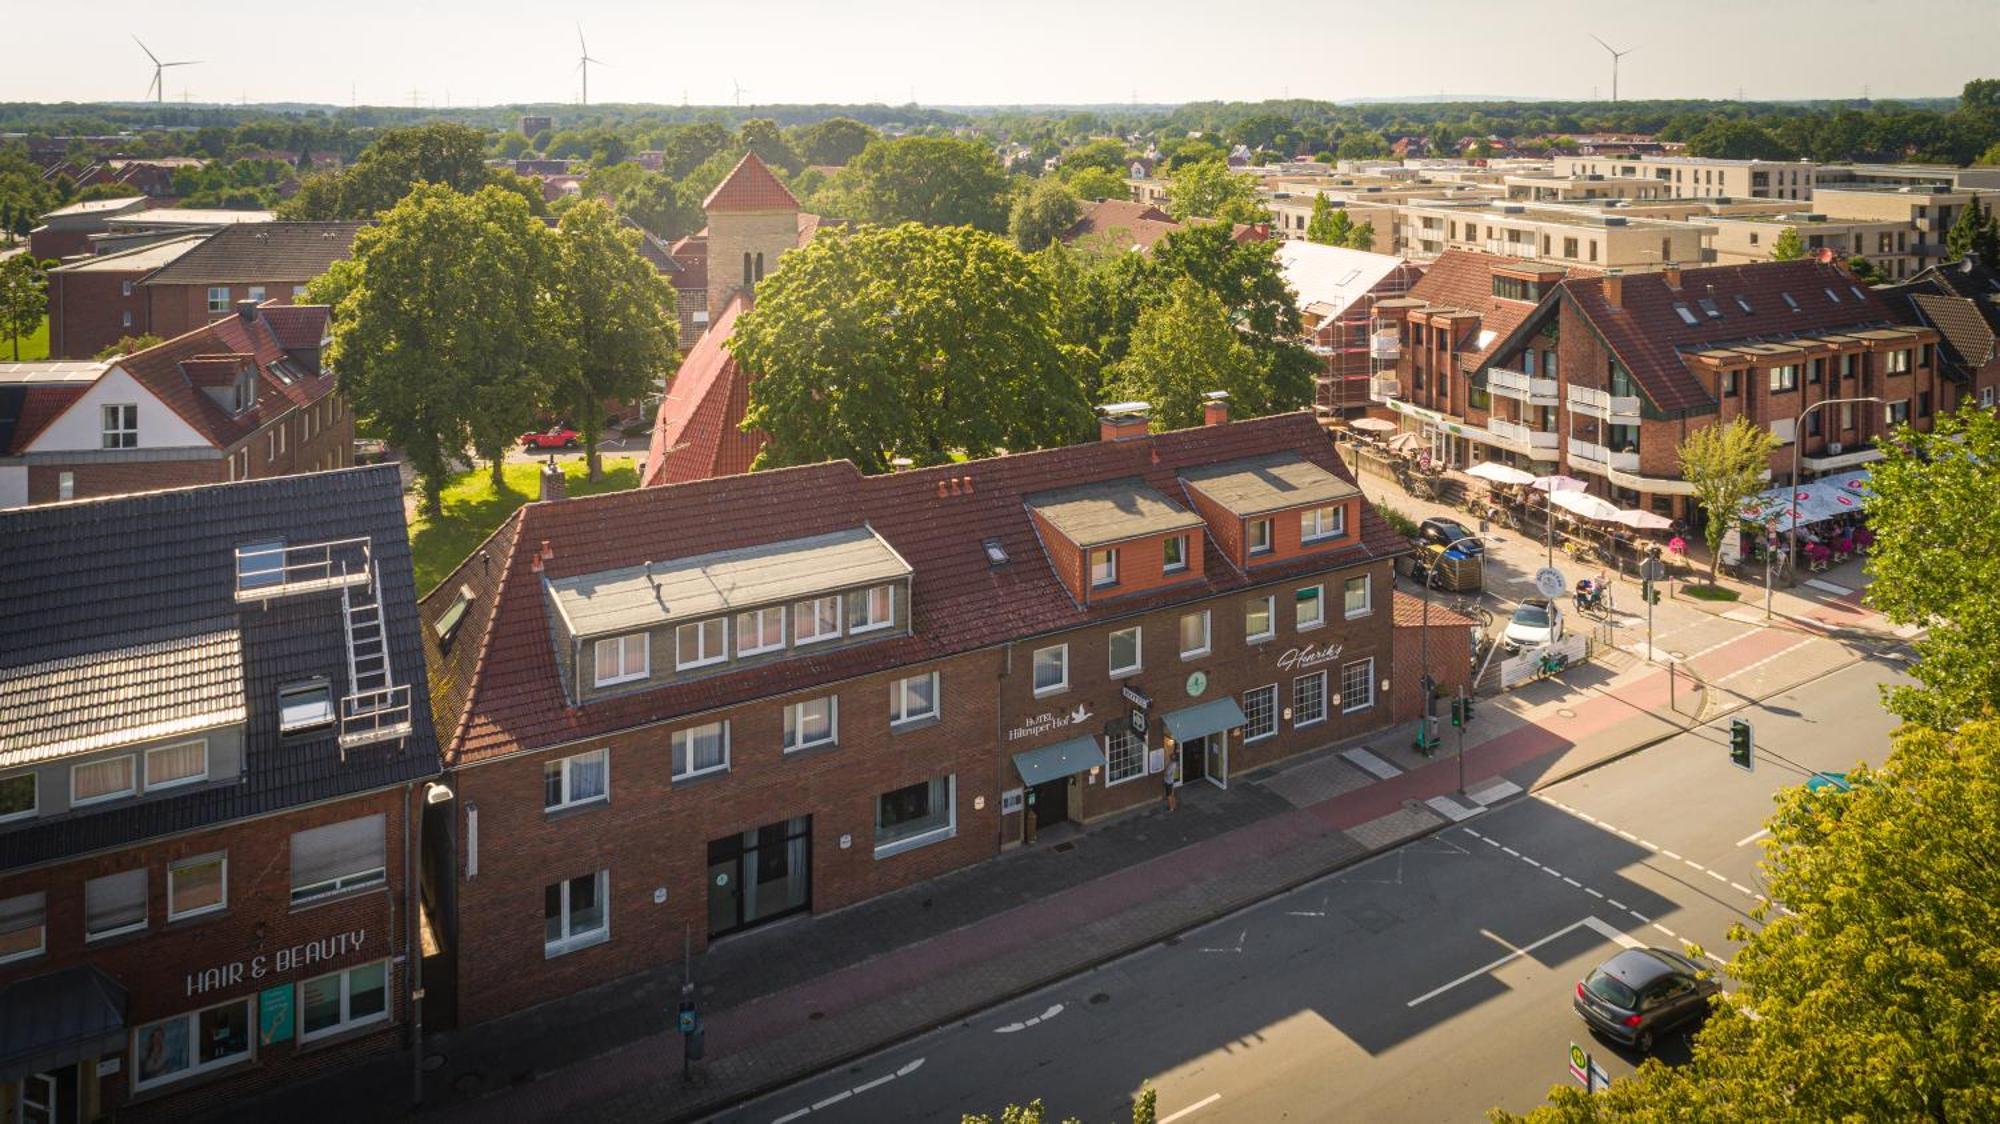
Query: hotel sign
(280, 962)
(1049, 721)
(1309, 656)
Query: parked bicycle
(1470, 607)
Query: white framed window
(1260, 711)
(107, 779)
(1051, 669)
(1323, 523)
(818, 619)
(197, 1042)
(1260, 536)
(871, 609)
(1899, 362)
(23, 926)
(124, 288)
(701, 749)
(257, 293)
(576, 913)
(1125, 654)
(1357, 685)
(218, 298)
(339, 857)
(916, 815)
(66, 485)
(1259, 619)
(1103, 567)
(913, 699)
(19, 798)
(171, 765)
(1174, 554)
(1309, 607)
(298, 293)
(1358, 595)
(813, 722)
(114, 904)
(621, 659)
(305, 706)
(1194, 634)
(1309, 699)
(701, 643)
(340, 1001)
(125, 318)
(1124, 756)
(760, 630)
(1986, 397)
(582, 779)
(197, 885)
(121, 425)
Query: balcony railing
(1503, 248)
(1520, 386)
(1384, 387)
(1602, 404)
(380, 715)
(1591, 456)
(276, 570)
(1520, 435)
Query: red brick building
(270, 261)
(243, 398)
(96, 301)
(702, 706)
(211, 775)
(1961, 300)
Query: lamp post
(1798, 447)
(1430, 571)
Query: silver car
(1536, 621)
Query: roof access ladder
(376, 708)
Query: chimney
(247, 311)
(1614, 288)
(1673, 274)
(554, 487)
(1215, 407)
(1122, 421)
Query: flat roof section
(1113, 511)
(705, 585)
(145, 259)
(52, 372)
(1269, 483)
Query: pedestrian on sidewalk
(1167, 777)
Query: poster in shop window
(274, 1015)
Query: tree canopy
(1096, 183)
(1788, 246)
(1184, 348)
(1976, 231)
(1209, 189)
(24, 286)
(939, 181)
(1725, 465)
(451, 155)
(834, 141)
(1041, 214)
(618, 317)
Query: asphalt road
(1427, 984)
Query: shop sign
(280, 962)
(274, 1015)
(1049, 721)
(1136, 697)
(1139, 721)
(1310, 656)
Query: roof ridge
(517, 520)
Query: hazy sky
(949, 52)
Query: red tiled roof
(40, 405)
(1649, 337)
(1463, 279)
(1139, 223)
(501, 690)
(695, 434)
(299, 327)
(750, 186)
(1408, 612)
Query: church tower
(752, 218)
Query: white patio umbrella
(1500, 473)
(1642, 520)
(1558, 483)
(1584, 504)
(1405, 441)
(1372, 425)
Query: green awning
(1063, 759)
(1200, 721)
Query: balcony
(1603, 405)
(267, 571)
(1500, 247)
(1524, 388)
(1522, 439)
(1381, 388)
(1595, 458)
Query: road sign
(1579, 1065)
(1652, 570)
(1550, 582)
(1599, 1080)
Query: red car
(555, 437)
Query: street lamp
(1430, 690)
(1798, 447)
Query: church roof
(750, 186)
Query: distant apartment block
(1698, 178)
(1558, 236)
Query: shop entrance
(49, 1098)
(1051, 802)
(1194, 760)
(759, 875)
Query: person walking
(1168, 776)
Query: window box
(621, 659)
(1051, 670)
(197, 885)
(576, 913)
(916, 816)
(701, 749)
(573, 781)
(914, 699)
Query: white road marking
(1742, 889)
(910, 1067)
(1499, 789)
(1670, 854)
(1715, 647)
(1200, 1104)
(1753, 837)
(1011, 1028)
(1240, 938)
(1592, 893)
(791, 1116)
(1510, 850)
(1831, 587)
(1664, 929)
(1649, 844)
(1370, 763)
(1572, 881)
(1640, 916)
(904, 1071)
(834, 1099)
(1717, 877)
(867, 1085)
(1767, 659)
(1614, 903)
(1602, 928)
(1452, 809)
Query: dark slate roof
(257, 253)
(187, 682)
(89, 580)
(498, 689)
(1961, 300)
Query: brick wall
(87, 311)
(175, 309)
(1449, 661)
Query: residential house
(96, 301)
(259, 262)
(1961, 300)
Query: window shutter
(114, 901)
(322, 854)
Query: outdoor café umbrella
(1642, 520)
(1403, 442)
(1500, 473)
(1584, 504)
(1558, 483)
(1372, 425)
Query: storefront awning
(1063, 759)
(1201, 721)
(49, 1021)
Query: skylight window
(996, 555)
(1833, 296)
(1858, 294)
(1687, 314)
(1789, 302)
(1744, 304)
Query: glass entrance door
(1193, 760)
(49, 1098)
(1216, 747)
(759, 875)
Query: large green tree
(1332, 226)
(443, 153)
(1870, 996)
(1725, 465)
(445, 334)
(1976, 231)
(1103, 153)
(1247, 278)
(939, 181)
(1209, 189)
(1096, 183)
(24, 287)
(1182, 349)
(1932, 506)
(925, 342)
(1041, 214)
(834, 141)
(618, 317)
(762, 136)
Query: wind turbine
(583, 63)
(1615, 56)
(740, 91)
(158, 88)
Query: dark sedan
(1641, 993)
(1451, 533)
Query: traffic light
(1650, 592)
(1458, 712)
(1741, 748)
(1468, 710)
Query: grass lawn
(1709, 592)
(34, 345)
(472, 509)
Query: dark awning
(49, 1021)
(1208, 718)
(1063, 759)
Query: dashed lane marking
(1195, 1107)
(1663, 852)
(906, 1069)
(1773, 658)
(1045, 1016)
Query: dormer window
(1174, 554)
(1260, 536)
(701, 643)
(760, 631)
(819, 619)
(305, 706)
(1103, 568)
(871, 609)
(1323, 523)
(246, 389)
(621, 659)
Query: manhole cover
(1566, 712)
(1098, 998)
(815, 1016)
(433, 1062)
(1064, 847)
(1678, 655)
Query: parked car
(1536, 621)
(554, 437)
(1641, 993)
(1446, 532)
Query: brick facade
(263, 454)
(174, 309)
(90, 311)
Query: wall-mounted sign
(279, 962)
(274, 1015)
(1309, 656)
(1011, 801)
(1139, 721)
(1136, 697)
(1197, 682)
(1049, 721)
